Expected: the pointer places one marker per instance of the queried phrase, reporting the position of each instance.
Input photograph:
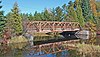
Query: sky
(30, 6)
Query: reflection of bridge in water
(54, 45)
(48, 26)
(51, 48)
(42, 48)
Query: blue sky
(30, 6)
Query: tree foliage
(87, 13)
(46, 15)
(98, 6)
(37, 16)
(98, 14)
(64, 10)
(93, 7)
(15, 20)
(79, 12)
(58, 14)
(71, 12)
(2, 21)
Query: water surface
(19, 49)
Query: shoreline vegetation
(84, 50)
(17, 39)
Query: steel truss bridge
(51, 26)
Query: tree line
(81, 11)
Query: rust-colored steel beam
(47, 26)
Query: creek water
(19, 49)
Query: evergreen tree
(2, 22)
(87, 12)
(53, 14)
(58, 14)
(71, 12)
(24, 16)
(41, 15)
(37, 16)
(30, 17)
(9, 21)
(47, 15)
(79, 12)
(15, 20)
(64, 8)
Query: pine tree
(37, 16)
(71, 12)
(53, 14)
(58, 14)
(64, 8)
(16, 20)
(30, 17)
(87, 12)
(88, 15)
(79, 12)
(24, 16)
(47, 14)
(2, 21)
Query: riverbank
(85, 50)
(16, 39)
(20, 39)
(88, 50)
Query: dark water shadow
(70, 37)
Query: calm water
(19, 49)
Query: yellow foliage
(18, 45)
(98, 14)
(87, 48)
(18, 39)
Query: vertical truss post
(39, 26)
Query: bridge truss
(48, 26)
